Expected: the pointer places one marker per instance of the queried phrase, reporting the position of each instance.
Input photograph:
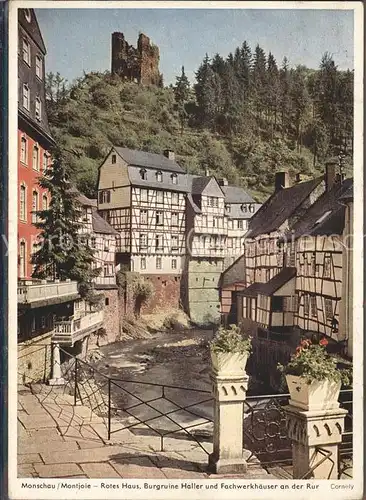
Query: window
(44, 202)
(143, 194)
(143, 216)
(228, 207)
(159, 241)
(143, 241)
(175, 243)
(230, 224)
(114, 159)
(328, 309)
(22, 261)
(34, 206)
(230, 243)
(27, 15)
(23, 150)
(327, 266)
(22, 203)
(175, 198)
(313, 305)
(43, 321)
(160, 197)
(45, 162)
(158, 262)
(105, 197)
(38, 109)
(277, 304)
(108, 270)
(159, 177)
(174, 219)
(106, 302)
(26, 96)
(159, 218)
(244, 208)
(143, 263)
(313, 264)
(35, 163)
(174, 179)
(204, 220)
(93, 242)
(214, 222)
(174, 263)
(240, 224)
(143, 174)
(33, 324)
(39, 67)
(306, 305)
(26, 51)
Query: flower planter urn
(228, 363)
(318, 395)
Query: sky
(79, 40)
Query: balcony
(39, 293)
(69, 331)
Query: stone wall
(203, 290)
(166, 292)
(34, 359)
(113, 314)
(140, 65)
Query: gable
(213, 189)
(113, 172)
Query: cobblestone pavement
(57, 439)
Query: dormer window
(251, 209)
(244, 208)
(174, 179)
(26, 51)
(228, 207)
(143, 174)
(159, 176)
(27, 15)
(39, 67)
(26, 96)
(38, 109)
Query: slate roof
(326, 215)
(199, 184)
(151, 182)
(280, 206)
(237, 213)
(100, 225)
(148, 160)
(234, 274)
(252, 291)
(234, 194)
(194, 207)
(285, 275)
(32, 28)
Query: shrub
(231, 340)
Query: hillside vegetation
(244, 119)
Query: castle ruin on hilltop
(140, 65)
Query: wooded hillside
(244, 118)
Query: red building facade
(34, 139)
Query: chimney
(223, 182)
(298, 178)
(207, 172)
(169, 154)
(330, 174)
(281, 181)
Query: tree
(285, 101)
(259, 74)
(182, 94)
(206, 92)
(273, 89)
(62, 253)
(299, 100)
(57, 92)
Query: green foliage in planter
(312, 362)
(231, 340)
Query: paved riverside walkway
(59, 440)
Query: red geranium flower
(323, 342)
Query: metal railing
(173, 411)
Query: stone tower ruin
(140, 65)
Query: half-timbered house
(142, 196)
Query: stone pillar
(309, 430)
(229, 393)
(56, 366)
